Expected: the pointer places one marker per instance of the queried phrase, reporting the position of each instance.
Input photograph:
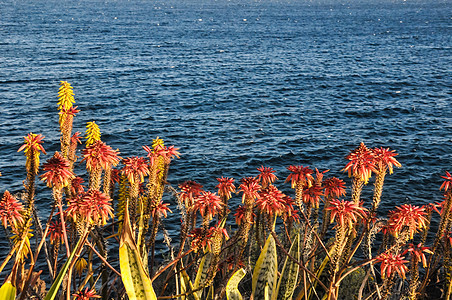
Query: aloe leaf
(288, 280)
(266, 269)
(137, 283)
(187, 286)
(7, 291)
(56, 284)
(232, 291)
(202, 273)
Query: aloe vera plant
(7, 291)
(266, 270)
(232, 291)
(289, 274)
(137, 283)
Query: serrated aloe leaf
(289, 274)
(137, 283)
(232, 291)
(266, 269)
(7, 291)
(202, 273)
(187, 286)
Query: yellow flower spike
(92, 133)
(157, 142)
(65, 96)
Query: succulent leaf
(266, 270)
(289, 274)
(137, 283)
(232, 292)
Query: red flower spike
(271, 201)
(384, 158)
(75, 138)
(86, 294)
(266, 176)
(448, 183)
(115, 176)
(418, 253)
(76, 186)
(407, 215)
(225, 187)
(135, 166)
(55, 232)
(10, 210)
(58, 173)
(334, 187)
(391, 263)
(346, 213)
(100, 154)
(319, 176)
(208, 204)
(93, 206)
(300, 175)
(33, 142)
(162, 209)
(312, 195)
(250, 187)
(189, 191)
(240, 215)
(200, 240)
(362, 163)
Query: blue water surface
(235, 85)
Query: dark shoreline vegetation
(322, 243)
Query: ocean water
(236, 85)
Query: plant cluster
(317, 244)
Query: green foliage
(288, 280)
(7, 291)
(137, 283)
(266, 270)
(232, 291)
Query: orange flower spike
(271, 201)
(418, 253)
(225, 187)
(448, 183)
(250, 187)
(162, 209)
(384, 158)
(32, 147)
(55, 232)
(86, 294)
(407, 215)
(58, 173)
(334, 187)
(10, 210)
(189, 191)
(208, 204)
(64, 113)
(76, 186)
(312, 195)
(362, 163)
(266, 176)
(300, 175)
(240, 215)
(391, 263)
(94, 206)
(100, 154)
(135, 166)
(346, 213)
